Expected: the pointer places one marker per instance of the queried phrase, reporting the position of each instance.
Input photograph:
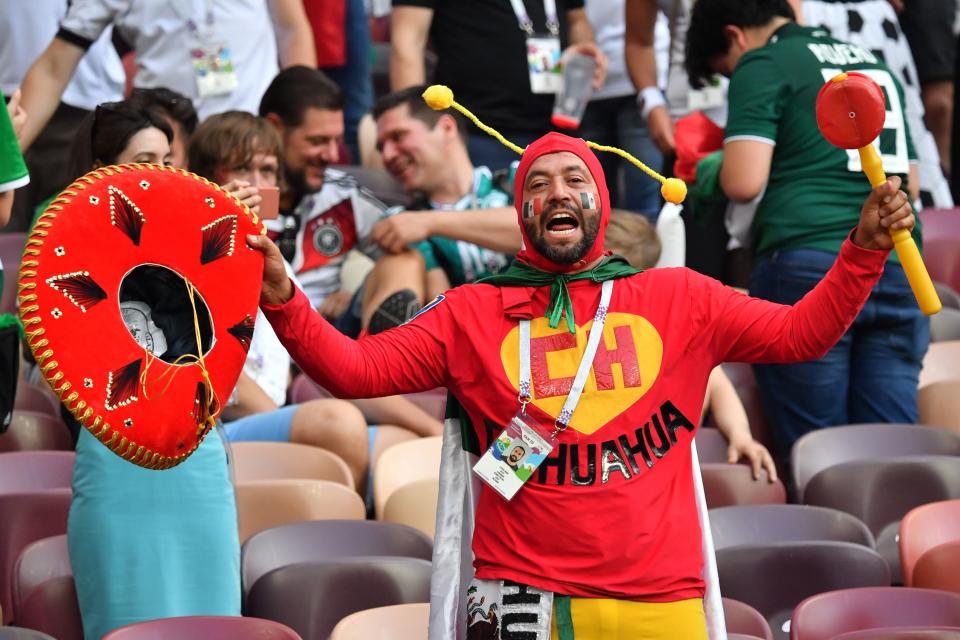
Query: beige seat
(939, 404)
(942, 362)
(269, 503)
(406, 621)
(404, 463)
(415, 505)
(280, 460)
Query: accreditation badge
(515, 455)
(543, 62)
(213, 70)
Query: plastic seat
(939, 404)
(327, 540)
(414, 505)
(774, 578)
(941, 237)
(51, 607)
(23, 471)
(924, 528)
(945, 325)
(911, 633)
(303, 389)
(827, 615)
(949, 296)
(711, 446)
(254, 461)
(942, 362)
(407, 621)
(733, 484)
(937, 568)
(313, 597)
(882, 492)
(743, 619)
(402, 464)
(40, 561)
(270, 503)
(824, 448)
(204, 628)
(26, 518)
(16, 633)
(33, 431)
(742, 636)
(766, 523)
(11, 250)
(36, 397)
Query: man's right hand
(661, 129)
(276, 287)
(396, 233)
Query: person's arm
(251, 400)
(582, 41)
(295, 44)
(409, 29)
(641, 20)
(399, 411)
(44, 84)
(731, 420)
(746, 168)
(494, 229)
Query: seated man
(426, 151)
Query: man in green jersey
(809, 193)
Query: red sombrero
(126, 272)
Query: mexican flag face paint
(588, 200)
(532, 208)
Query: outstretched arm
(407, 359)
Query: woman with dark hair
(148, 544)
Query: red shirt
(611, 512)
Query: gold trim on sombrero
(33, 320)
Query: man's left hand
(335, 304)
(886, 209)
(589, 49)
(396, 233)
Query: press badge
(515, 455)
(543, 61)
(213, 70)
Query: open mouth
(562, 223)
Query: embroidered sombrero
(138, 295)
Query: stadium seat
(743, 619)
(924, 528)
(733, 484)
(827, 615)
(270, 503)
(24, 471)
(766, 523)
(941, 245)
(407, 621)
(303, 389)
(711, 446)
(327, 540)
(404, 463)
(938, 405)
(36, 397)
(881, 492)
(949, 296)
(742, 636)
(903, 633)
(40, 561)
(51, 607)
(313, 597)
(824, 448)
(32, 431)
(11, 249)
(16, 633)
(204, 628)
(287, 460)
(937, 568)
(414, 505)
(774, 578)
(945, 325)
(942, 362)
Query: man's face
(311, 147)
(412, 151)
(555, 191)
(516, 455)
(260, 170)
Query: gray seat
(766, 523)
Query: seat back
(904, 633)
(404, 463)
(711, 446)
(733, 484)
(11, 249)
(320, 540)
(937, 568)
(821, 449)
(24, 471)
(33, 431)
(941, 237)
(924, 528)
(281, 460)
(414, 505)
(270, 503)
(52, 607)
(945, 325)
(743, 619)
(407, 621)
(16, 633)
(938, 404)
(40, 561)
(290, 594)
(766, 523)
(36, 397)
(827, 615)
(204, 628)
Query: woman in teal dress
(148, 544)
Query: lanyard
(576, 389)
(526, 24)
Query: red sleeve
(403, 360)
(746, 329)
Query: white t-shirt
(268, 363)
(28, 26)
(163, 33)
(607, 19)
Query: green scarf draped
(520, 274)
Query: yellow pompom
(674, 190)
(438, 96)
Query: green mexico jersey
(815, 190)
(13, 171)
(464, 262)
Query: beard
(565, 255)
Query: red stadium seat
(733, 484)
(204, 628)
(941, 245)
(924, 528)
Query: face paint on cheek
(532, 208)
(588, 200)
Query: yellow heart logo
(626, 365)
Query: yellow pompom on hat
(440, 97)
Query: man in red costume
(608, 521)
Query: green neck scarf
(520, 274)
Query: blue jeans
(617, 122)
(354, 77)
(869, 376)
